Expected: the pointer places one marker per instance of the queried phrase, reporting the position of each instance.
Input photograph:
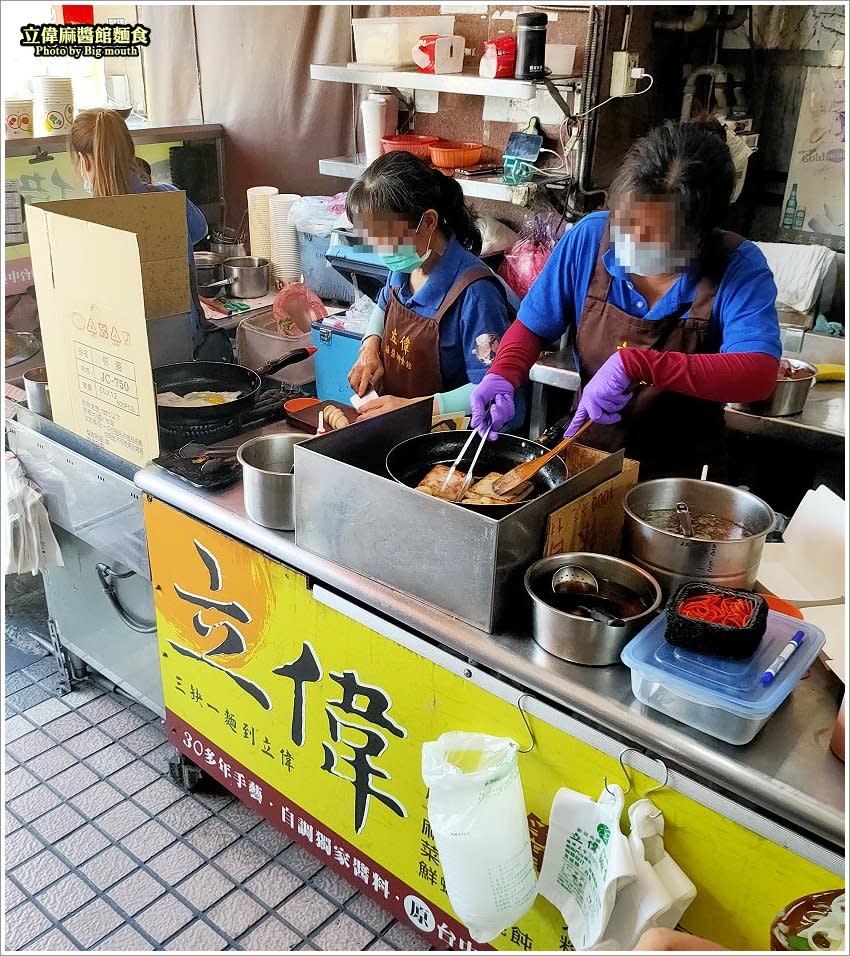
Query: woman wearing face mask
(102, 148)
(671, 316)
(442, 312)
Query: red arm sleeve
(728, 377)
(518, 351)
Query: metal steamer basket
(471, 565)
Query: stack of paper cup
(18, 115)
(391, 121)
(286, 259)
(374, 116)
(53, 108)
(259, 220)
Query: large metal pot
(208, 271)
(789, 396)
(245, 277)
(675, 559)
(574, 637)
(268, 481)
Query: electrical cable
(623, 97)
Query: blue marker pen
(786, 652)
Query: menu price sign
(88, 281)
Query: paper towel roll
(374, 116)
(391, 122)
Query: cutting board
(308, 418)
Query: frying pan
(184, 377)
(409, 462)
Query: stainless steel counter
(787, 771)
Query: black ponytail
(403, 184)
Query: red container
(418, 145)
(498, 60)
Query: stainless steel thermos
(530, 46)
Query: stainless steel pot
(268, 481)
(245, 277)
(789, 396)
(674, 559)
(228, 250)
(38, 391)
(579, 639)
(207, 269)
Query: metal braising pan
(464, 562)
(409, 461)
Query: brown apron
(672, 435)
(410, 348)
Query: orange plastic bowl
(299, 404)
(409, 143)
(450, 155)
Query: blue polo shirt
(472, 327)
(743, 314)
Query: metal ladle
(574, 579)
(683, 513)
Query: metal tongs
(469, 475)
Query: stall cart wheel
(189, 776)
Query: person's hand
(492, 405)
(368, 371)
(386, 403)
(604, 396)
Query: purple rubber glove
(492, 405)
(604, 396)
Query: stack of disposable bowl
(18, 118)
(286, 258)
(259, 220)
(53, 107)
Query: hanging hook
(524, 716)
(625, 769)
(660, 786)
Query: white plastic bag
(317, 215)
(586, 862)
(477, 814)
(28, 540)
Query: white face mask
(646, 258)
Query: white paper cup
(374, 116)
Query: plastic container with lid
(723, 698)
(389, 41)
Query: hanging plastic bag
(317, 215)
(586, 861)
(296, 308)
(661, 891)
(477, 814)
(29, 544)
(524, 261)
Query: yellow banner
(318, 723)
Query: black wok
(184, 377)
(409, 462)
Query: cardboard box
(593, 522)
(158, 220)
(98, 286)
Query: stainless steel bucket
(576, 638)
(38, 391)
(268, 482)
(228, 250)
(674, 559)
(789, 396)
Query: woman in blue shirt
(101, 146)
(439, 319)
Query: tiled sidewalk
(103, 851)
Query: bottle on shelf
(790, 209)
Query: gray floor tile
(174, 863)
(197, 938)
(236, 913)
(53, 941)
(241, 859)
(88, 742)
(380, 946)
(307, 910)
(300, 861)
(82, 694)
(74, 780)
(30, 745)
(16, 681)
(271, 936)
(16, 782)
(12, 822)
(20, 846)
(39, 871)
(69, 894)
(57, 823)
(124, 940)
(103, 708)
(135, 892)
(240, 816)
(144, 712)
(42, 668)
(184, 815)
(92, 923)
(121, 724)
(32, 804)
(164, 918)
(13, 896)
(159, 795)
(147, 840)
(17, 726)
(22, 700)
(333, 885)
(23, 924)
(67, 726)
(368, 912)
(110, 759)
(51, 762)
(270, 839)
(205, 887)
(405, 939)
(158, 758)
(97, 799)
(108, 867)
(343, 934)
(134, 777)
(82, 845)
(273, 884)
(46, 711)
(215, 800)
(144, 739)
(211, 837)
(122, 819)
